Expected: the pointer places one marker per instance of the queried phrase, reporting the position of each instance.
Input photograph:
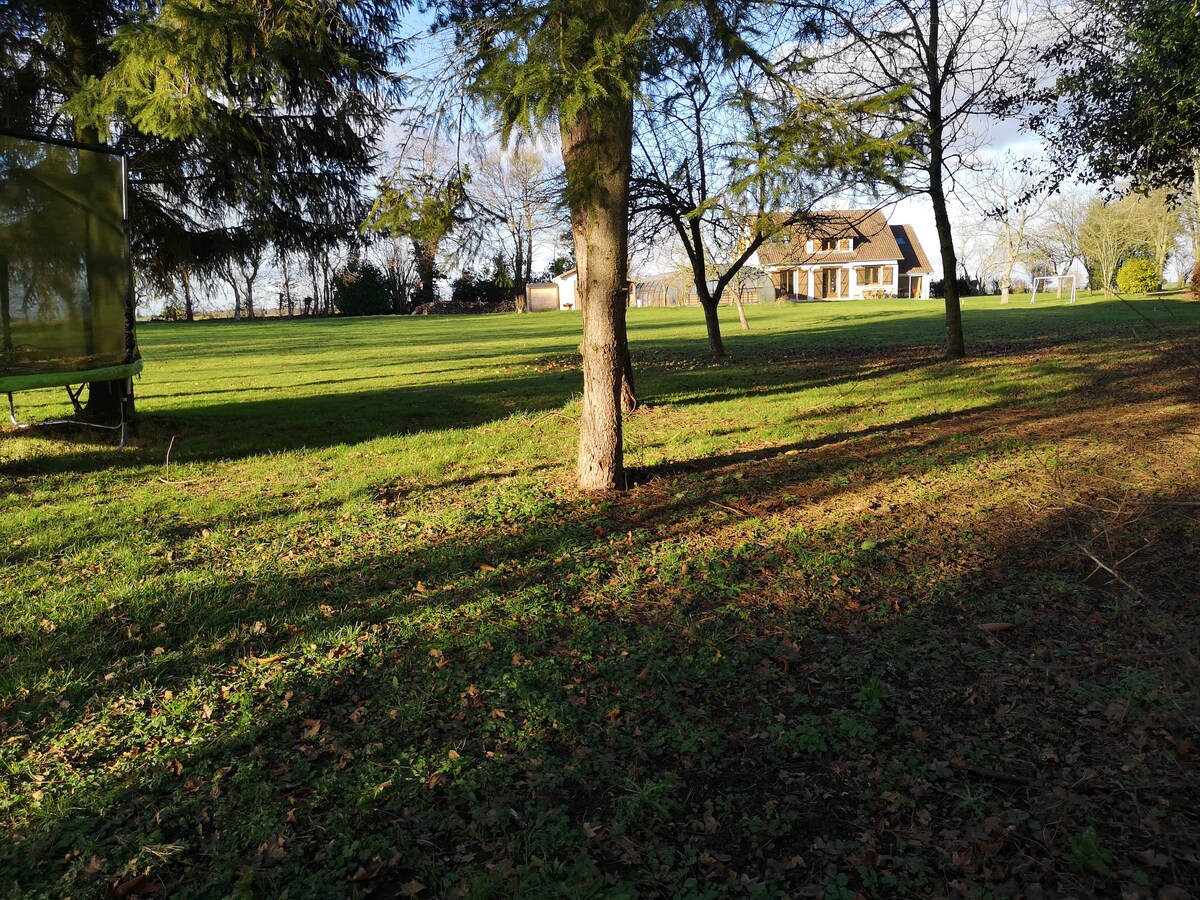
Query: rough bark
(716, 345)
(105, 400)
(1196, 232)
(955, 345)
(597, 152)
(426, 265)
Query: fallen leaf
(273, 849)
(93, 867)
(411, 889)
(309, 728)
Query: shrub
(472, 288)
(967, 287)
(361, 289)
(1137, 276)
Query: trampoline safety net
(66, 304)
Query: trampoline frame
(124, 373)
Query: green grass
(362, 635)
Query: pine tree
(244, 123)
(579, 63)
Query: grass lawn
(867, 623)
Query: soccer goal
(1056, 283)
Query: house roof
(914, 260)
(874, 241)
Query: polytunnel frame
(123, 372)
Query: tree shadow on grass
(269, 424)
(539, 709)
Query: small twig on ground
(552, 414)
(731, 509)
(166, 479)
(1090, 555)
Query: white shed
(566, 288)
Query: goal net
(1058, 285)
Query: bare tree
(1055, 237)
(1106, 238)
(518, 193)
(1004, 194)
(725, 158)
(964, 63)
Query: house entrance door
(829, 283)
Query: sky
(427, 60)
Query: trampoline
(67, 312)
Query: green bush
(361, 289)
(1138, 276)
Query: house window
(845, 244)
(827, 244)
(870, 275)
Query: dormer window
(846, 244)
(825, 244)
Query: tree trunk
(105, 399)
(597, 153)
(237, 299)
(527, 275)
(189, 307)
(1005, 287)
(629, 397)
(1196, 226)
(956, 347)
(426, 264)
(716, 346)
(742, 314)
(5, 313)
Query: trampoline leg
(12, 412)
(75, 395)
(124, 421)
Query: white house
(846, 255)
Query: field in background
(867, 621)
